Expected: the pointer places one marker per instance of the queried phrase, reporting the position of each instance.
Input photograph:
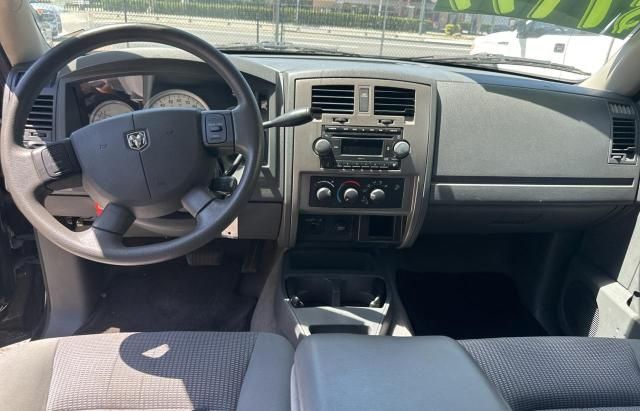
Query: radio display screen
(361, 147)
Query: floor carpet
(465, 306)
(172, 297)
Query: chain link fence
(367, 27)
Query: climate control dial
(377, 195)
(349, 192)
(350, 195)
(363, 192)
(324, 194)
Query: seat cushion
(168, 371)
(548, 373)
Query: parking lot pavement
(220, 31)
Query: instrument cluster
(109, 97)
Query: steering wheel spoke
(56, 164)
(214, 211)
(115, 219)
(197, 199)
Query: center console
(337, 291)
(360, 170)
(357, 372)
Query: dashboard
(401, 149)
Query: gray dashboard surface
(512, 144)
(498, 131)
(500, 139)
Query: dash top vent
(392, 101)
(624, 134)
(333, 98)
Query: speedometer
(176, 99)
(109, 108)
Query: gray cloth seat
(561, 373)
(160, 371)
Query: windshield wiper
(284, 48)
(495, 59)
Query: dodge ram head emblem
(137, 140)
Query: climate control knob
(351, 195)
(324, 193)
(322, 147)
(401, 149)
(377, 195)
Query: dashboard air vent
(333, 99)
(392, 101)
(624, 148)
(39, 125)
(624, 109)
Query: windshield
(559, 39)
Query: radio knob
(350, 195)
(322, 147)
(323, 194)
(377, 196)
(401, 149)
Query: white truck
(547, 42)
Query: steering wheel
(143, 165)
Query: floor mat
(464, 306)
(172, 297)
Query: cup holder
(317, 291)
(310, 291)
(363, 292)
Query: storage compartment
(380, 229)
(341, 372)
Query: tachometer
(109, 108)
(177, 99)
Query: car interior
(314, 232)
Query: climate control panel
(356, 192)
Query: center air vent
(333, 99)
(392, 101)
(39, 125)
(624, 149)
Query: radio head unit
(361, 147)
